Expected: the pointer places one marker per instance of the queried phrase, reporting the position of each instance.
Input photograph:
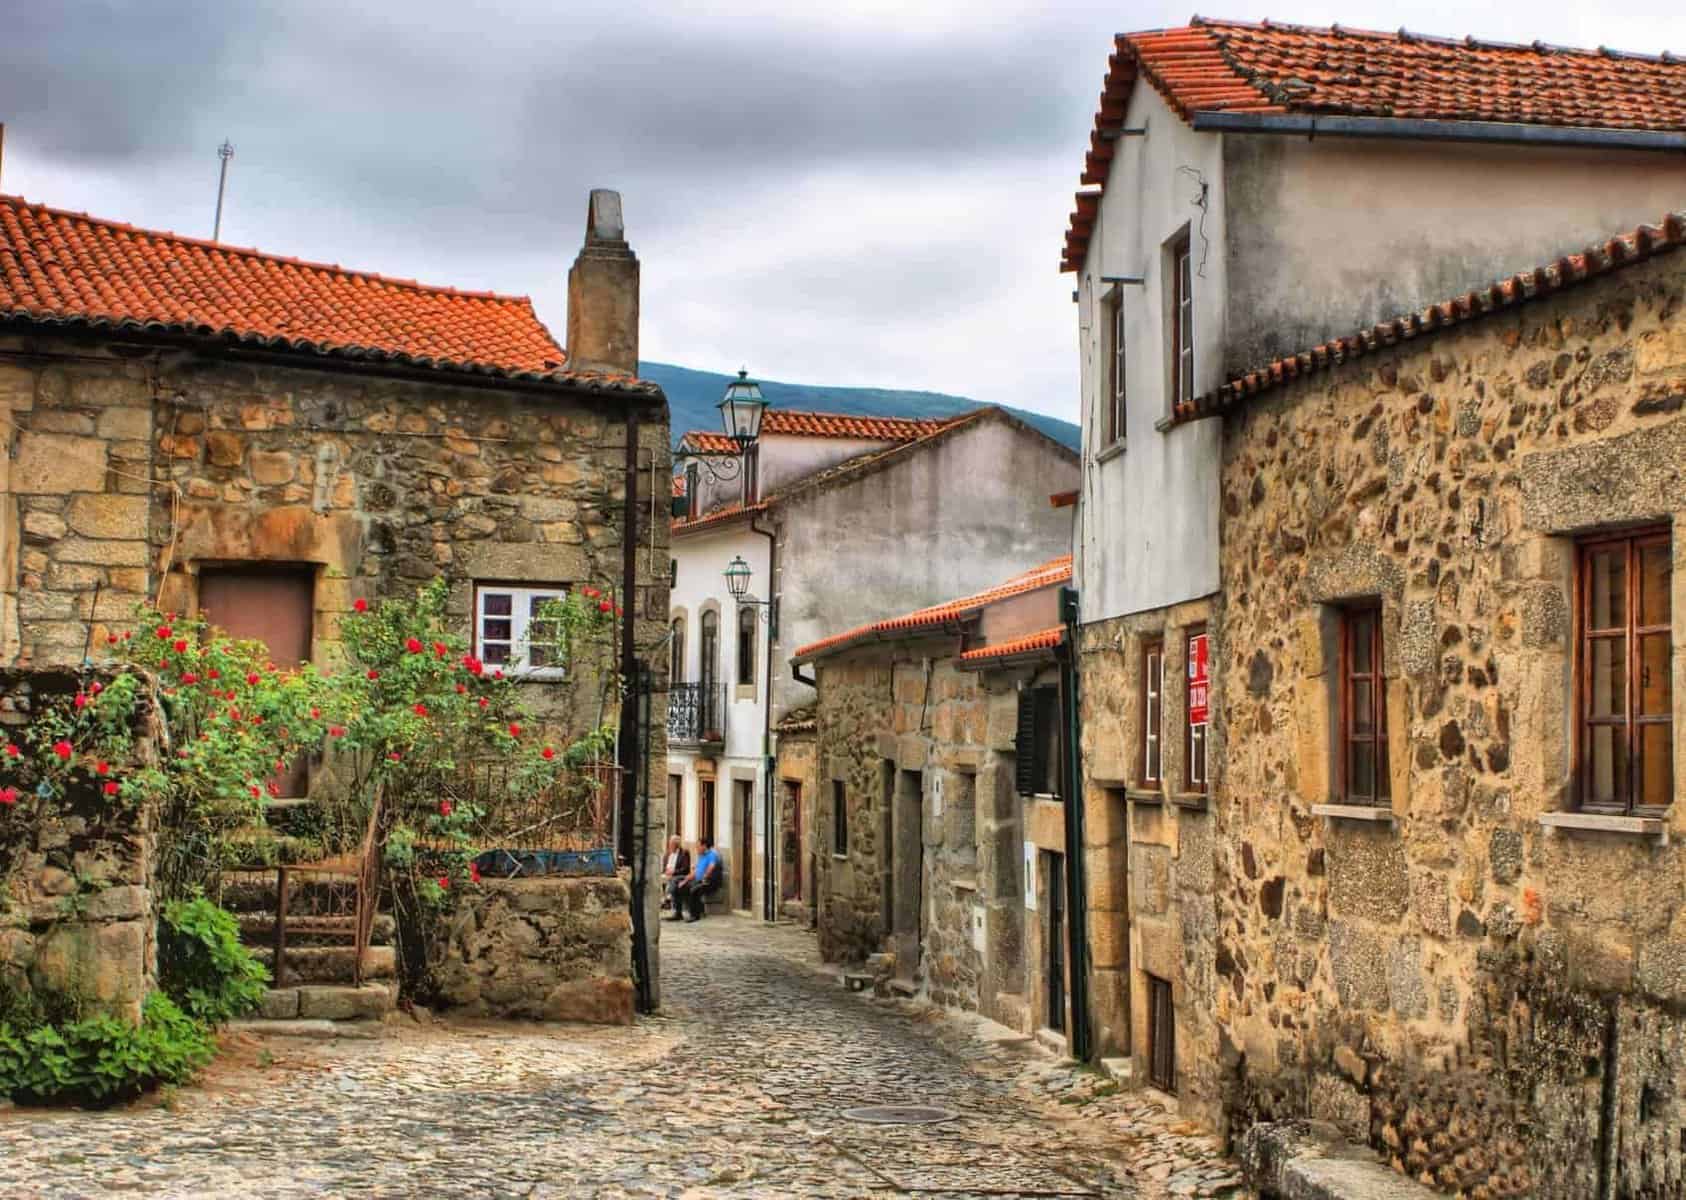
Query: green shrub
(102, 1059)
(203, 967)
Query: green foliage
(101, 1059)
(203, 967)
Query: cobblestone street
(739, 1088)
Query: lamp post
(737, 583)
(741, 409)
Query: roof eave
(1311, 125)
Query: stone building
(212, 428)
(841, 519)
(938, 748)
(1256, 189)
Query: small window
(1364, 764)
(746, 647)
(710, 646)
(839, 820)
(1153, 712)
(1182, 323)
(509, 634)
(752, 473)
(692, 500)
(1198, 710)
(1113, 391)
(1037, 745)
(1623, 674)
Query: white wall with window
(1151, 314)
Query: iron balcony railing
(696, 712)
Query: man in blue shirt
(703, 881)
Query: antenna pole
(224, 152)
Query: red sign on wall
(1199, 686)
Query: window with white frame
(508, 632)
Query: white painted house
(841, 519)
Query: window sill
(1585, 822)
(1193, 801)
(1111, 452)
(964, 885)
(836, 857)
(1378, 813)
(743, 691)
(1143, 796)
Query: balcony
(696, 714)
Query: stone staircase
(307, 915)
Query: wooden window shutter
(1026, 747)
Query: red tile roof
(69, 269)
(1030, 643)
(1624, 250)
(1234, 67)
(720, 516)
(1049, 574)
(678, 485)
(792, 422)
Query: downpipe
(1076, 874)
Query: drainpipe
(769, 766)
(1076, 873)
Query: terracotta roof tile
(1230, 66)
(793, 422)
(720, 516)
(70, 269)
(1030, 643)
(1624, 250)
(1049, 574)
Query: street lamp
(740, 416)
(737, 583)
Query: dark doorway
(1053, 870)
(745, 816)
(675, 792)
(705, 814)
(273, 606)
(790, 859)
(1162, 1035)
(908, 873)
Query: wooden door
(272, 606)
(1053, 870)
(706, 815)
(746, 841)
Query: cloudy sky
(870, 192)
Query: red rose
(279, 765)
(461, 688)
(12, 750)
(374, 674)
(62, 749)
(360, 604)
(590, 593)
(180, 645)
(8, 795)
(484, 702)
(111, 787)
(315, 714)
(127, 634)
(274, 789)
(95, 688)
(514, 729)
(102, 768)
(256, 795)
(336, 731)
(441, 649)
(497, 674)
(189, 677)
(81, 700)
(394, 756)
(617, 610)
(164, 632)
(213, 673)
(474, 872)
(445, 882)
(421, 710)
(413, 645)
(111, 639)
(547, 754)
(444, 808)
(605, 606)
(253, 679)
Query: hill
(693, 395)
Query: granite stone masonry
(1481, 979)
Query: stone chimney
(603, 293)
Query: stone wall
(924, 752)
(76, 904)
(1150, 851)
(1491, 1003)
(547, 949)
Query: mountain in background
(692, 396)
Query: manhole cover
(899, 1114)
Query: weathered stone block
(279, 1004)
(103, 964)
(53, 464)
(126, 424)
(124, 903)
(372, 1000)
(272, 467)
(106, 553)
(1358, 960)
(109, 516)
(1367, 875)
(1662, 969)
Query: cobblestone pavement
(737, 1089)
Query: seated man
(703, 881)
(675, 868)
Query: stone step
(328, 964)
(372, 1001)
